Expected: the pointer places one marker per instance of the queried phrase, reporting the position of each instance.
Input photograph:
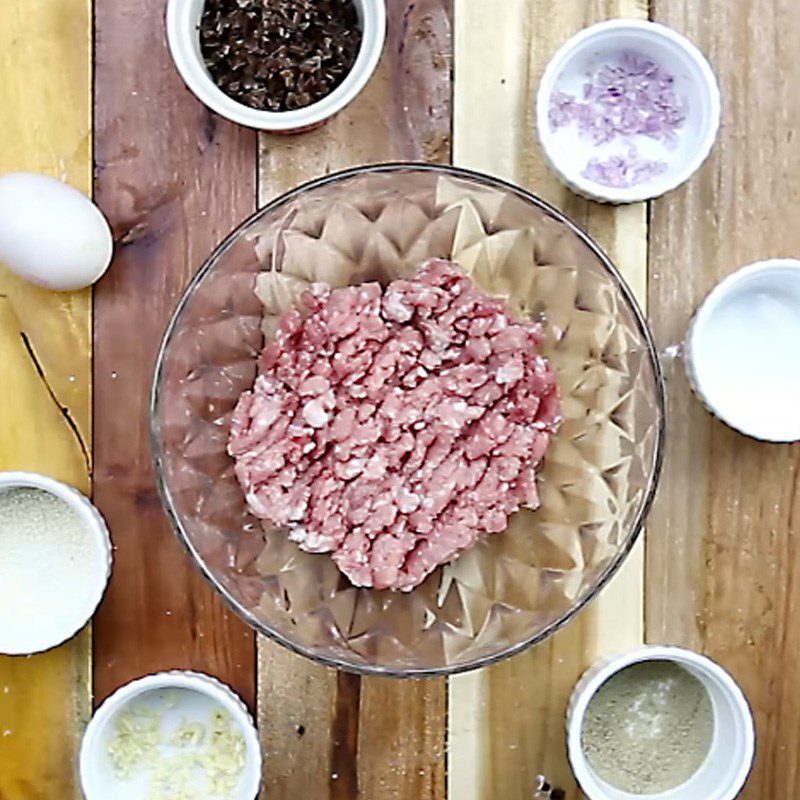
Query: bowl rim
(649, 493)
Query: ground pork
(392, 428)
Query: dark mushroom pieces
(279, 55)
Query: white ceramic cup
(178, 696)
(742, 350)
(568, 154)
(183, 22)
(727, 765)
(96, 574)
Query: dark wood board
(173, 179)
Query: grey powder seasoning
(649, 728)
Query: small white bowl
(742, 350)
(568, 153)
(68, 621)
(727, 765)
(178, 697)
(183, 23)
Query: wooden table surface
(719, 572)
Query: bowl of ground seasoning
(276, 65)
(660, 722)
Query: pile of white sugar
(50, 566)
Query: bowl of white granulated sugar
(55, 561)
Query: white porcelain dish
(68, 618)
(183, 22)
(568, 153)
(177, 697)
(727, 765)
(742, 350)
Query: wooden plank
(174, 180)
(401, 745)
(507, 722)
(722, 574)
(45, 357)
(366, 737)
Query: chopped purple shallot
(624, 171)
(635, 97)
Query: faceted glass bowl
(513, 589)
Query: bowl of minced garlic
(660, 722)
(171, 736)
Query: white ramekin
(728, 764)
(604, 42)
(742, 350)
(183, 22)
(96, 579)
(97, 776)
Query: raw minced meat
(393, 427)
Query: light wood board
(723, 550)
(506, 723)
(45, 358)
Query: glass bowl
(513, 589)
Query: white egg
(50, 233)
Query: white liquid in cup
(743, 351)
